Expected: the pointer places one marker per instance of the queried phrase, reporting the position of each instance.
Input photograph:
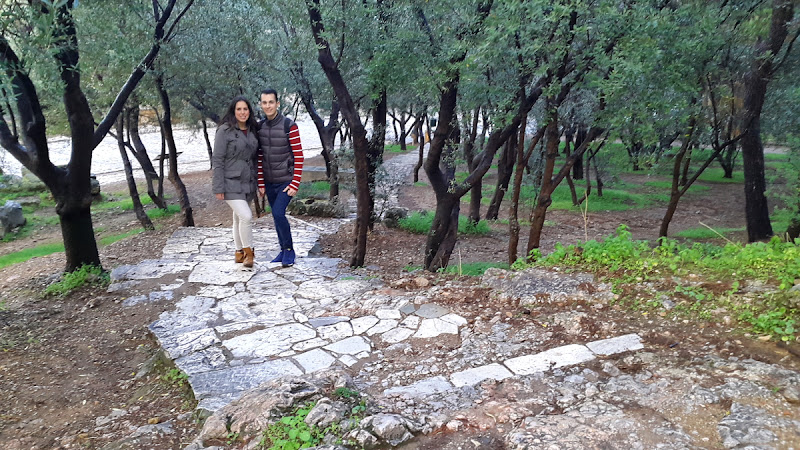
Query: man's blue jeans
(278, 201)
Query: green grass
(419, 222)
(715, 175)
(472, 269)
(700, 233)
(316, 189)
(118, 237)
(665, 186)
(71, 281)
(157, 213)
(395, 148)
(28, 253)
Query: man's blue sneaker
(288, 258)
(278, 258)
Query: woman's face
(242, 112)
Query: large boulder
(11, 216)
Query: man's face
(269, 104)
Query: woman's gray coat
(234, 162)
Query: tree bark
(208, 142)
(543, 202)
(138, 208)
(505, 169)
(357, 132)
(140, 153)
(473, 160)
(174, 177)
(755, 89)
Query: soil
(67, 362)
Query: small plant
(292, 432)
(344, 392)
(175, 377)
(86, 274)
(773, 323)
(695, 293)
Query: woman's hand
(262, 191)
(220, 196)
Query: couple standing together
(264, 157)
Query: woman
(234, 178)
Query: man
(280, 168)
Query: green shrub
(419, 222)
(71, 281)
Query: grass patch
(665, 186)
(118, 237)
(28, 253)
(158, 213)
(71, 281)
(699, 233)
(396, 148)
(317, 189)
(625, 263)
(419, 222)
(716, 175)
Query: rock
(325, 413)
(95, 185)
(392, 216)
(791, 394)
(317, 208)
(364, 438)
(391, 428)
(11, 216)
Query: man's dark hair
(270, 91)
(230, 114)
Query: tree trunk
(174, 177)
(539, 212)
(577, 169)
(140, 153)
(138, 208)
(755, 90)
(375, 155)
(675, 192)
(505, 168)
(444, 233)
(208, 141)
(472, 162)
(421, 150)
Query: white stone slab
(431, 311)
(620, 344)
(454, 319)
(422, 388)
(150, 269)
(217, 291)
(193, 341)
(382, 327)
(388, 314)
(362, 324)
(348, 360)
(566, 355)
(266, 282)
(411, 322)
(350, 346)
(220, 273)
(471, 377)
(397, 335)
(269, 342)
(335, 332)
(314, 360)
(241, 378)
(339, 289)
(309, 344)
(434, 327)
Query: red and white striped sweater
(297, 153)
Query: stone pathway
(243, 327)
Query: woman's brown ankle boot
(239, 256)
(249, 257)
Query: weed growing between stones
(70, 281)
(293, 432)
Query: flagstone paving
(244, 327)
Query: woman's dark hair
(230, 114)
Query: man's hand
(220, 196)
(289, 191)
